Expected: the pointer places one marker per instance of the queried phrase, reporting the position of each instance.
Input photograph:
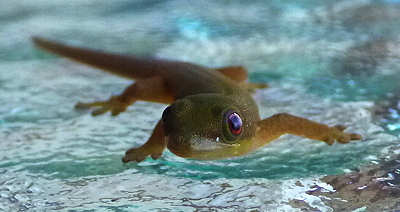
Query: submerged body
(211, 114)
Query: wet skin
(211, 113)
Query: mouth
(198, 148)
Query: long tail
(119, 64)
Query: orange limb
(154, 147)
(273, 127)
(240, 75)
(152, 89)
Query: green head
(210, 126)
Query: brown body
(211, 114)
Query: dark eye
(166, 113)
(233, 125)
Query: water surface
(329, 62)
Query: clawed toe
(116, 112)
(330, 141)
(355, 136)
(141, 153)
(340, 127)
(99, 111)
(155, 156)
(138, 155)
(102, 107)
(336, 133)
(114, 104)
(135, 154)
(133, 157)
(344, 139)
(81, 105)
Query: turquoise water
(320, 64)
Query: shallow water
(327, 61)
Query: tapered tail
(119, 64)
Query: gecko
(211, 113)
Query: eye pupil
(232, 125)
(235, 123)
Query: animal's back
(186, 79)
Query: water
(56, 158)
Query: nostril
(165, 114)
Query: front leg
(154, 147)
(273, 127)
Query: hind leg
(152, 89)
(240, 75)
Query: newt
(211, 113)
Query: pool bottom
(144, 192)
